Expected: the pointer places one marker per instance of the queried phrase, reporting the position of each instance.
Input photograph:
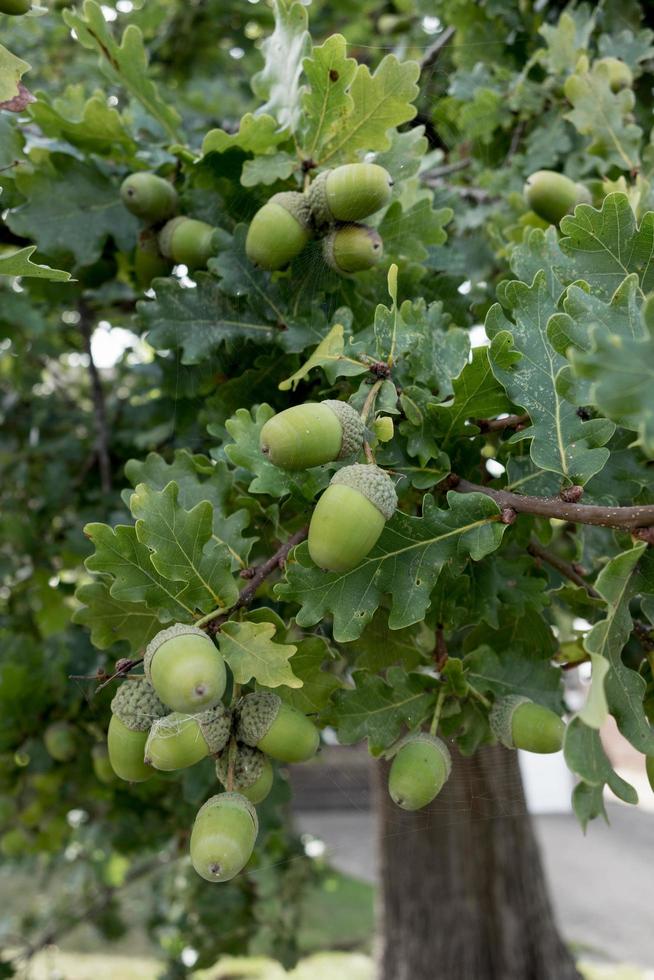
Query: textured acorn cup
(252, 773)
(187, 241)
(349, 193)
(185, 668)
(102, 764)
(352, 248)
(149, 197)
(223, 836)
(15, 7)
(279, 231)
(551, 195)
(126, 749)
(350, 516)
(274, 727)
(312, 434)
(59, 740)
(519, 723)
(420, 769)
(620, 74)
(179, 741)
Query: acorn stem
(207, 619)
(480, 697)
(371, 398)
(433, 728)
(370, 456)
(236, 694)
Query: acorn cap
(248, 766)
(371, 481)
(178, 629)
(430, 740)
(501, 718)
(257, 712)
(296, 204)
(352, 248)
(352, 425)
(136, 704)
(216, 727)
(235, 800)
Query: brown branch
(432, 53)
(496, 425)
(563, 567)
(624, 518)
(99, 406)
(446, 169)
(261, 572)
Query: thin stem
(371, 398)
(370, 456)
(200, 623)
(473, 692)
(433, 728)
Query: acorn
(276, 728)
(350, 516)
(59, 740)
(149, 263)
(519, 723)
(620, 74)
(188, 242)
(311, 434)
(252, 772)
(352, 248)
(185, 668)
(102, 767)
(349, 193)
(178, 741)
(134, 708)
(149, 197)
(15, 7)
(420, 769)
(552, 195)
(223, 836)
(279, 230)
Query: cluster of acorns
(174, 717)
(331, 209)
(344, 527)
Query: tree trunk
(462, 890)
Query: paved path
(602, 883)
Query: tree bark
(462, 889)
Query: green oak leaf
(110, 620)
(439, 351)
(522, 671)
(476, 394)
(12, 70)
(604, 246)
(565, 41)
(540, 251)
(120, 554)
(90, 124)
(19, 264)
(330, 351)
(604, 116)
(408, 232)
(268, 169)
(378, 648)
(283, 51)
(71, 208)
(586, 757)
(404, 564)
(416, 403)
(527, 366)
(258, 134)
(596, 709)
(183, 547)
(588, 803)
(198, 321)
(318, 685)
(251, 654)
(379, 709)
(199, 478)
(124, 64)
(326, 101)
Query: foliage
(135, 495)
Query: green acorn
(178, 741)
(420, 769)
(188, 242)
(279, 231)
(349, 193)
(276, 728)
(102, 767)
(185, 668)
(252, 773)
(352, 248)
(149, 263)
(620, 74)
(350, 516)
(311, 434)
(223, 836)
(552, 195)
(15, 7)
(59, 739)
(519, 723)
(149, 197)
(649, 768)
(134, 708)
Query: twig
(99, 406)
(433, 728)
(515, 141)
(247, 594)
(496, 425)
(624, 518)
(371, 399)
(432, 53)
(563, 567)
(440, 649)
(123, 668)
(447, 168)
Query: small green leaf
(251, 654)
(19, 264)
